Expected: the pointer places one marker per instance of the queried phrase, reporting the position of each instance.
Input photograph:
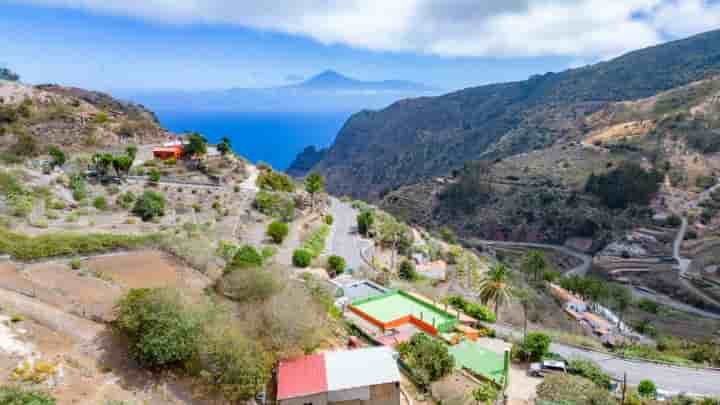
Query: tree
(314, 184)
(486, 393)
(154, 176)
(535, 264)
(365, 222)
(627, 184)
(277, 231)
(524, 296)
(429, 358)
(621, 299)
(336, 265)
(160, 328)
(407, 271)
(535, 345)
(57, 156)
(391, 232)
(302, 258)
(647, 389)
(9, 75)
(495, 287)
(102, 162)
(196, 145)
(224, 146)
(149, 205)
(122, 165)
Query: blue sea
(275, 138)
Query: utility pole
(624, 388)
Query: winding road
(345, 241)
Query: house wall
(383, 394)
(318, 399)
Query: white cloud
(586, 29)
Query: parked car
(545, 367)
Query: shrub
(486, 393)
(159, 326)
(315, 241)
(364, 222)
(535, 346)
(100, 202)
(407, 271)
(126, 199)
(477, 311)
(154, 176)
(75, 264)
(275, 181)
(336, 265)
(57, 156)
(591, 371)
(649, 306)
(20, 396)
(448, 235)
(302, 258)
(151, 204)
(275, 205)
(571, 389)
(705, 182)
(246, 257)
(647, 389)
(277, 231)
(250, 284)
(329, 219)
(429, 358)
(674, 221)
(627, 184)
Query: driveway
(344, 239)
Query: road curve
(344, 239)
(580, 270)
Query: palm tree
(524, 296)
(495, 286)
(535, 264)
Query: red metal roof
(301, 377)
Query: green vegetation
(78, 187)
(534, 347)
(149, 205)
(329, 219)
(471, 190)
(154, 175)
(365, 222)
(429, 358)
(196, 145)
(275, 181)
(24, 247)
(57, 156)
(625, 185)
(224, 146)
(534, 264)
(302, 258)
(407, 271)
(477, 311)
(571, 389)
(10, 395)
(495, 287)
(486, 394)
(647, 389)
(100, 202)
(590, 370)
(314, 184)
(336, 265)
(9, 75)
(126, 199)
(250, 284)
(277, 231)
(246, 257)
(315, 241)
(275, 205)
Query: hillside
(541, 195)
(419, 138)
(34, 117)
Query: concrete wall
(384, 394)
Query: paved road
(580, 270)
(344, 239)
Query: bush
(159, 325)
(649, 306)
(535, 346)
(448, 235)
(407, 271)
(364, 222)
(250, 284)
(151, 204)
(477, 311)
(275, 181)
(57, 156)
(329, 219)
(302, 258)
(275, 205)
(570, 389)
(154, 176)
(429, 358)
(75, 264)
(336, 265)
(315, 241)
(673, 221)
(20, 396)
(277, 231)
(100, 202)
(591, 371)
(647, 389)
(247, 256)
(126, 199)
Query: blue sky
(191, 44)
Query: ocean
(274, 138)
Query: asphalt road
(344, 239)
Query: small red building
(168, 152)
